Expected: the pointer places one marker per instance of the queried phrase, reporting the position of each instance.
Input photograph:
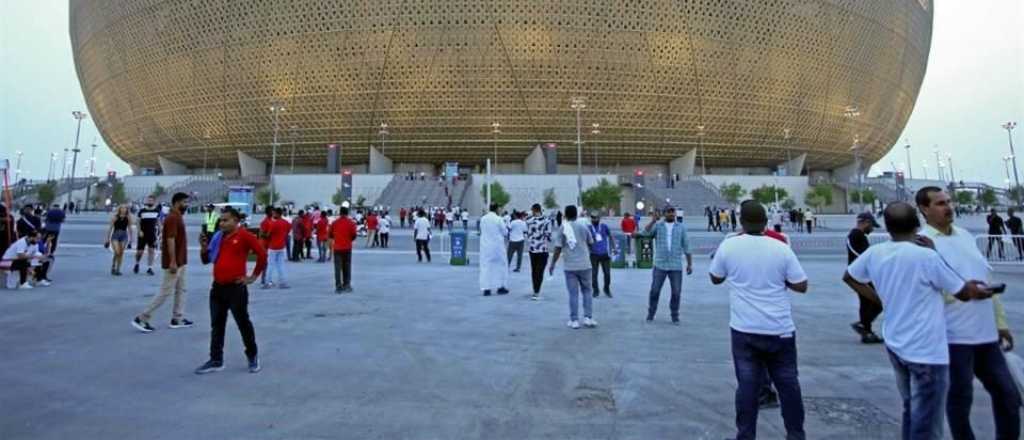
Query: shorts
(149, 240)
(121, 236)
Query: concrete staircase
(402, 192)
(691, 195)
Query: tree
(47, 193)
(549, 199)
(788, 204)
(964, 197)
(498, 194)
(117, 195)
(604, 196)
(819, 196)
(987, 197)
(768, 194)
(263, 196)
(360, 200)
(158, 191)
(732, 192)
(338, 197)
(866, 196)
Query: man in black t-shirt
(1014, 224)
(996, 229)
(149, 223)
(856, 244)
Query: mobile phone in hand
(996, 288)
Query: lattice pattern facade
(188, 78)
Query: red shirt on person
(279, 229)
(371, 222)
(265, 227)
(307, 224)
(628, 225)
(321, 228)
(343, 232)
(776, 235)
(234, 254)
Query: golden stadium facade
(193, 80)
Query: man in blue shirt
(54, 218)
(670, 244)
(600, 258)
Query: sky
(974, 84)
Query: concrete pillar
(795, 166)
(535, 163)
(683, 165)
(171, 168)
(251, 166)
(379, 163)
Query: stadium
(680, 88)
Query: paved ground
(416, 353)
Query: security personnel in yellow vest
(210, 221)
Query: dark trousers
(810, 226)
(538, 263)
(675, 279)
(309, 248)
(995, 240)
(297, 249)
(1018, 243)
(986, 362)
(869, 310)
(601, 263)
(515, 248)
(43, 271)
(384, 238)
(422, 247)
(752, 355)
(22, 267)
(342, 269)
(233, 297)
(52, 236)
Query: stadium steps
(403, 192)
(691, 195)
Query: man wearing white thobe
(493, 266)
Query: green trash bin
(644, 251)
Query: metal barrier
(1001, 249)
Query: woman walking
(117, 237)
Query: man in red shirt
(628, 226)
(341, 236)
(308, 226)
(277, 240)
(401, 216)
(265, 226)
(371, 229)
(321, 237)
(229, 251)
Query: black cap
(868, 217)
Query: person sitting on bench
(20, 253)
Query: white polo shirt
(910, 280)
(971, 322)
(756, 268)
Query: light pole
(857, 165)
(949, 161)
(74, 162)
(17, 169)
(789, 158)
(910, 168)
(1009, 126)
(700, 139)
(49, 174)
(64, 165)
(92, 173)
(276, 108)
(1006, 165)
(594, 131)
(578, 105)
(938, 163)
(924, 166)
(495, 129)
(294, 134)
(383, 133)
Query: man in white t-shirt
(759, 270)
(421, 233)
(908, 279)
(974, 328)
(20, 254)
(516, 239)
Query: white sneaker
(25, 286)
(588, 322)
(574, 325)
(43, 283)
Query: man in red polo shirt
(321, 236)
(229, 250)
(277, 241)
(371, 229)
(628, 226)
(340, 238)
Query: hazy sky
(975, 82)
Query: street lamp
(700, 138)
(594, 131)
(294, 134)
(49, 174)
(276, 108)
(578, 105)
(383, 133)
(92, 173)
(938, 163)
(910, 169)
(1009, 126)
(17, 169)
(495, 129)
(924, 166)
(857, 169)
(74, 162)
(949, 161)
(1006, 166)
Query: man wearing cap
(670, 244)
(759, 271)
(856, 244)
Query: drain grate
(595, 398)
(857, 414)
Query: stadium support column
(795, 166)
(250, 166)
(535, 163)
(171, 168)
(683, 165)
(379, 163)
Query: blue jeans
(275, 263)
(923, 388)
(675, 279)
(986, 362)
(752, 356)
(578, 282)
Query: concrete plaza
(417, 353)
